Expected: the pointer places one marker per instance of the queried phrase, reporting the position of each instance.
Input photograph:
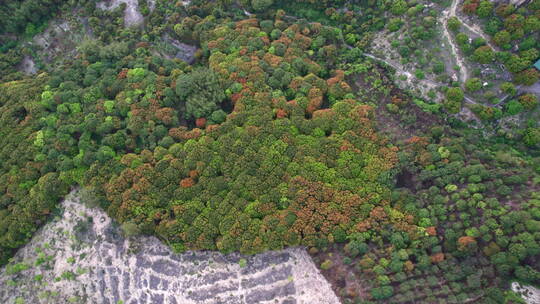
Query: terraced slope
(86, 260)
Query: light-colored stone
(107, 268)
(132, 15)
(530, 294)
(28, 66)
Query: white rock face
(151, 5)
(530, 294)
(82, 257)
(28, 66)
(181, 51)
(132, 16)
(57, 41)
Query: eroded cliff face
(82, 257)
(59, 42)
(132, 15)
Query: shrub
(242, 263)
(381, 293)
(130, 229)
(484, 55)
(327, 264)
(473, 84)
(454, 24)
(529, 101)
(513, 107)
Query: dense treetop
(280, 133)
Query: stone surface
(530, 294)
(82, 257)
(132, 16)
(171, 48)
(28, 66)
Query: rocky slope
(81, 257)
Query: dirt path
(469, 100)
(473, 28)
(390, 63)
(397, 67)
(447, 14)
(460, 60)
(465, 112)
(452, 12)
(427, 82)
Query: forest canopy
(279, 131)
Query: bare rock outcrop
(81, 256)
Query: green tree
(530, 54)
(473, 84)
(381, 293)
(454, 24)
(261, 5)
(462, 39)
(395, 24)
(514, 107)
(455, 94)
(399, 7)
(502, 38)
(527, 77)
(531, 137)
(484, 55)
(508, 88)
(130, 229)
(201, 91)
(485, 9)
(517, 63)
(454, 98)
(532, 24)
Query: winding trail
(452, 12)
(426, 82)
(396, 66)
(473, 28)
(447, 14)
(466, 99)
(390, 63)
(400, 70)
